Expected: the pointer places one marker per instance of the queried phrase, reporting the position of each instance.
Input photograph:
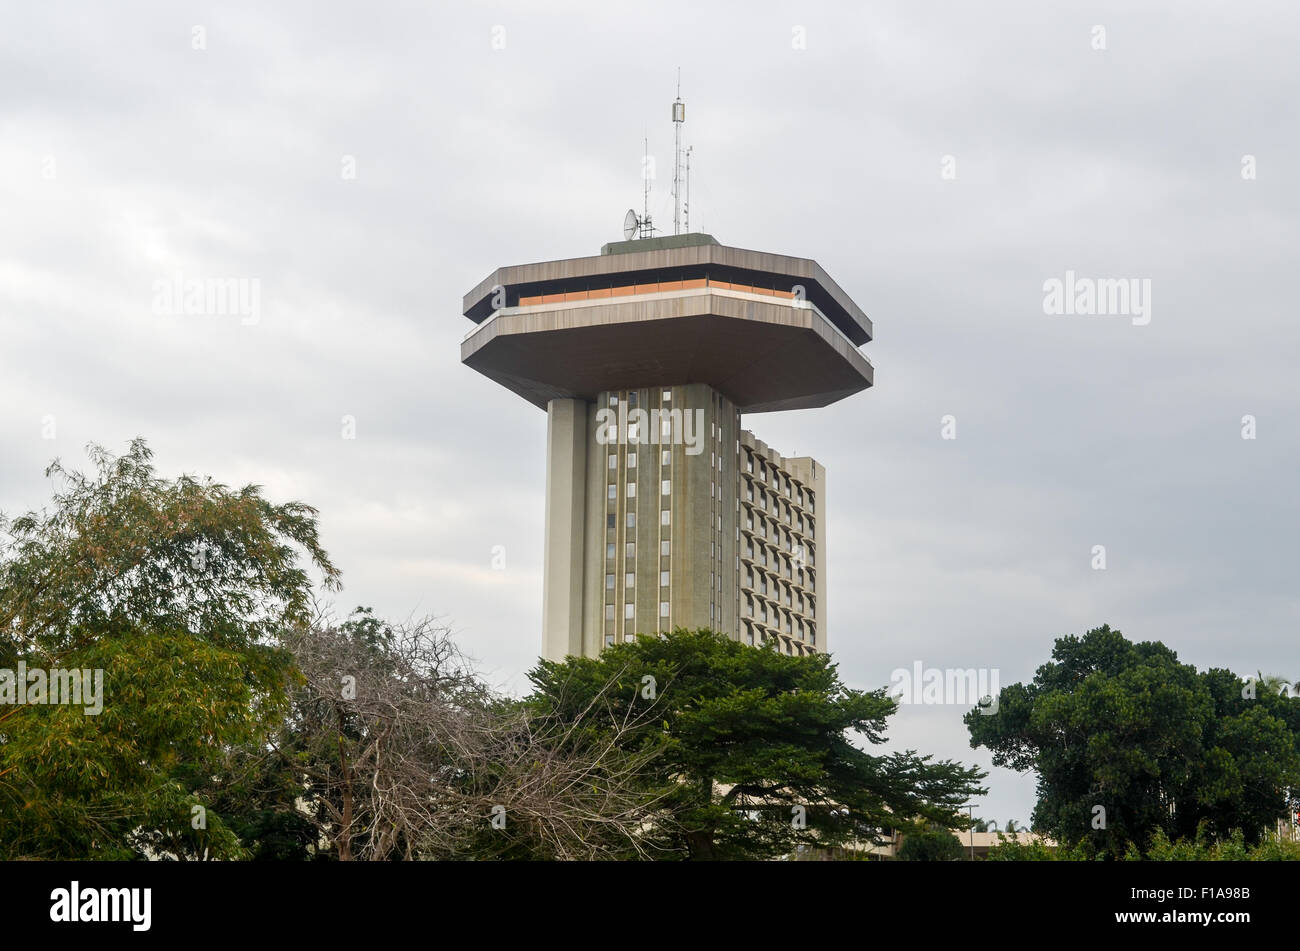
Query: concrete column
(566, 489)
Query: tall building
(661, 510)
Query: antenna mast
(679, 116)
(686, 205)
(647, 226)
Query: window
(613, 491)
(629, 551)
(663, 608)
(664, 516)
(666, 457)
(609, 582)
(609, 640)
(665, 547)
(666, 428)
(629, 582)
(632, 432)
(609, 521)
(628, 611)
(609, 550)
(666, 487)
(631, 398)
(613, 400)
(631, 460)
(668, 395)
(663, 579)
(631, 519)
(609, 612)
(631, 490)
(613, 461)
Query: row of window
(629, 611)
(755, 634)
(781, 482)
(801, 549)
(665, 459)
(781, 509)
(780, 593)
(758, 608)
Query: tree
(405, 753)
(178, 592)
(755, 756)
(1128, 742)
(930, 843)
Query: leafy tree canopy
(1127, 742)
(756, 756)
(178, 591)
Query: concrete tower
(661, 512)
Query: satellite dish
(630, 223)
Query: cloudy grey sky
(128, 156)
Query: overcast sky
(367, 164)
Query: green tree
(754, 747)
(1127, 741)
(179, 592)
(930, 844)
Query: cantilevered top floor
(768, 331)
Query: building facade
(661, 510)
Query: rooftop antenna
(679, 116)
(686, 205)
(642, 225)
(646, 225)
